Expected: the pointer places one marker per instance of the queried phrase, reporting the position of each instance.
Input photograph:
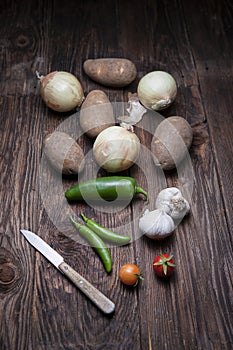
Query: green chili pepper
(108, 188)
(105, 233)
(97, 244)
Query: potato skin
(171, 142)
(96, 113)
(64, 154)
(114, 72)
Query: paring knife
(99, 299)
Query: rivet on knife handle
(99, 299)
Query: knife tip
(24, 232)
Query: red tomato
(130, 274)
(163, 265)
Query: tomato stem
(140, 277)
(165, 262)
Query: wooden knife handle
(99, 299)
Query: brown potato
(114, 72)
(171, 142)
(96, 113)
(64, 153)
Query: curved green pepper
(97, 244)
(108, 188)
(105, 233)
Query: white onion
(116, 148)
(157, 90)
(61, 91)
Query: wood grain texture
(40, 308)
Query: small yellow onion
(157, 90)
(116, 148)
(61, 91)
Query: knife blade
(97, 297)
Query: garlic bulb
(116, 148)
(173, 203)
(156, 224)
(157, 90)
(61, 91)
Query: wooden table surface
(40, 308)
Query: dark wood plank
(19, 208)
(214, 67)
(105, 332)
(21, 139)
(174, 304)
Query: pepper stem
(140, 190)
(85, 219)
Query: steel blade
(38, 243)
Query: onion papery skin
(116, 149)
(61, 91)
(157, 90)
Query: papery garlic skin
(61, 91)
(135, 110)
(116, 148)
(157, 90)
(156, 224)
(173, 203)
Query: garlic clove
(173, 203)
(156, 224)
(135, 110)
